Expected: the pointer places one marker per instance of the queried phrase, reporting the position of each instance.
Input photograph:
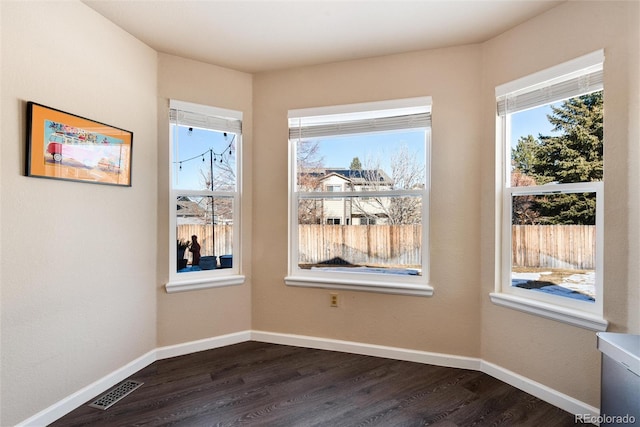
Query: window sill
(203, 283)
(550, 311)
(385, 287)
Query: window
(367, 221)
(205, 153)
(359, 197)
(550, 132)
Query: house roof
(356, 177)
(363, 176)
(187, 207)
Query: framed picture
(69, 147)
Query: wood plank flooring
(261, 384)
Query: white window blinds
(574, 78)
(202, 116)
(313, 123)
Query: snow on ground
(584, 283)
(527, 276)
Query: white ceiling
(261, 35)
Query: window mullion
(358, 194)
(559, 188)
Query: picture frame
(68, 147)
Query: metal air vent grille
(114, 395)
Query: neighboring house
(197, 210)
(190, 212)
(350, 210)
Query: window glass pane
(560, 142)
(204, 159)
(381, 235)
(377, 161)
(210, 219)
(554, 244)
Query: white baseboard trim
(527, 385)
(202, 345)
(539, 390)
(71, 402)
(408, 355)
(518, 381)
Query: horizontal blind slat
(380, 124)
(188, 118)
(571, 88)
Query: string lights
(213, 156)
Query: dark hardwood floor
(262, 384)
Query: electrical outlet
(333, 300)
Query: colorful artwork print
(77, 147)
(65, 146)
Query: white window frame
(573, 78)
(218, 119)
(371, 282)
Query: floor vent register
(114, 395)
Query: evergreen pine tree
(575, 155)
(523, 155)
(355, 164)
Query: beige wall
(560, 356)
(194, 315)
(447, 322)
(633, 171)
(78, 260)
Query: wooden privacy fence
(219, 238)
(554, 246)
(544, 246)
(361, 244)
